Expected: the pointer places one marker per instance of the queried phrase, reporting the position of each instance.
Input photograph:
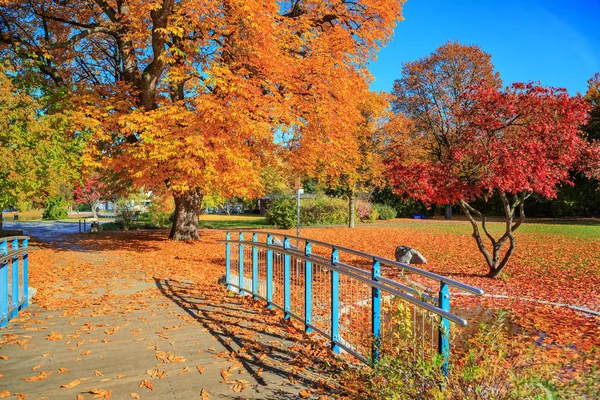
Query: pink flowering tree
(89, 192)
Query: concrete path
(118, 334)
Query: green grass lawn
(217, 221)
(583, 229)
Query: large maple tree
(187, 95)
(513, 143)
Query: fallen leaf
(43, 375)
(200, 369)
(73, 384)
(3, 357)
(63, 370)
(204, 394)
(4, 393)
(36, 367)
(304, 394)
(224, 375)
(183, 371)
(54, 336)
(98, 373)
(147, 384)
(106, 394)
(134, 395)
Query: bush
(56, 208)
(384, 212)
(493, 366)
(282, 212)
(158, 217)
(125, 214)
(365, 212)
(323, 210)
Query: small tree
(90, 192)
(513, 143)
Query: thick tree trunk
(187, 212)
(351, 210)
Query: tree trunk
(351, 210)
(187, 212)
(496, 261)
(94, 210)
(448, 211)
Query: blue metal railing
(361, 303)
(14, 286)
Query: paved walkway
(123, 331)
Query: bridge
(128, 315)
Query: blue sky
(556, 42)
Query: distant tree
(90, 192)
(513, 143)
(432, 90)
(38, 152)
(358, 165)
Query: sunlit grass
(585, 229)
(223, 221)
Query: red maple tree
(89, 192)
(512, 143)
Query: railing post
(335, 335)
(376, 312)
(308, 288)
(3, 285)
(241, 265)
(269, 273)
(227, 260)
(286, 279)
(444, 330)
(255, 267)
(25, 245)
(15, 280)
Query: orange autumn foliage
(189, 95)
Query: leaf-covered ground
(553, 263)
(93, 288)
(132, 315)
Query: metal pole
(376, 312)
(308, 289)
(444, 330)
(286, 280)
(255, 267)
(241, 265)
(269, 273)
(299, 192)
(227, 260)
(335, 282)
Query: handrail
(361, 295)
(340, 267)
(431, 275)
(14, 252)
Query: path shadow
(220, 319)
(106, 241)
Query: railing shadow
(220, 319)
